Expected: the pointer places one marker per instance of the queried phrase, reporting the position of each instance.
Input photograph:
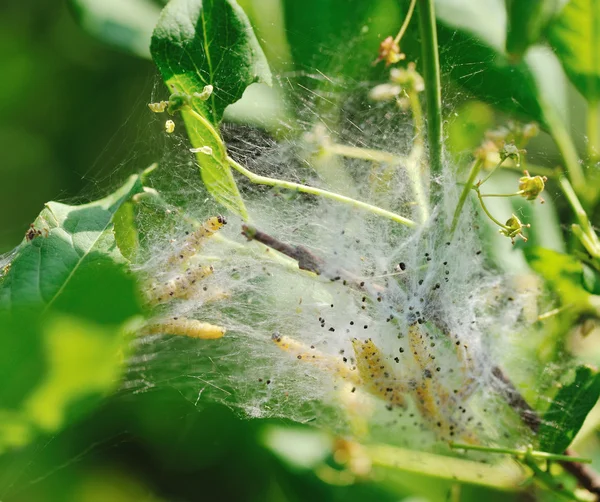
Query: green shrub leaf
(575, 36)
(65, 299)
(125, 25)
(321, 38)
(62, 242)
(567, 412)
(209, 42)
(563, 274)
(526, 23)
(472, 38)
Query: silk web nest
(393, 332)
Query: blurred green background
(69, 110)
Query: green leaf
(575, 36)
(65, 299)
(472, 37)
(567, 412)
(209, 42)
(526, 23)
(564, 274)
(125, 229)
(70, 240)
(125, 25)
(340, 37)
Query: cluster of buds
(178, 101)
(389, 51)
(506, 144)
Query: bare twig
(584, 474)
(306, 260)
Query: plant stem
(407, 19)
(541, 455)
(520, 192)
(356, 152)
(433, 92)
(567, 149)
(410, 164)
(477, 165)
(593, 132)
(545, 478)
(264, 180)
(504, 476)
(491, 172)
(588, 235)
(417, 113)
(485, 209)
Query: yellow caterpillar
(184, 327)
(181, 286)
(195, 240)
(379, 379)
(313, 356)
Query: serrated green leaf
(526, 23)
(125, 25)
(69, 240)
(575, 36)
(568, 411)
(209, 42)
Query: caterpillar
(313, 356)
(184, 327)
(379, 380)
(181, 286)
(195, 241)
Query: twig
(584, 474)
(516, 401)
(306, 260)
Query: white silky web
(378, 278)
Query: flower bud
(389, 51)
(532, 186)
(514, 228)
